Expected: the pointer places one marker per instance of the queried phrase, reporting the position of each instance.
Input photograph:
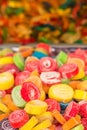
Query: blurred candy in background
(54, 21)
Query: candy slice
(84, 122)
(30, 124)
(72, 122)
(11, 68)
(7, 100)
(83, 109)
(26, 51)
(72, 110)
(36, 107)
(39, 55)
(30, 91)
(5, 125)
(59, 117)
(4, 108)
(44, 46)
(3, 116)
(61, 58)
(52, 104)
(51, 77)
(6, 60)
(82, 85)
(32, 65)
(43, 125)
(44, 116)
(47, 64)
(6, 80)
(61, 92)
(68, 70)
(79, 127)
(18, 118)
(19, 61)
(21, 77)
(16, 96)
(80, 95)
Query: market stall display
(24, 21)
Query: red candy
(84, 122)
(72, 110)
(44, 46)
(11, 68)
(31, 65)
(52, 104)
(83, 109)
(50, 78)
(18, 118)
(68, 70)
(29, 91)
(2, 93)
(21, 77)
(47, 64)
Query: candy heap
(45, 93)
(49, 21)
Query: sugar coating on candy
(83, 110)
(47, 64)
(50, 78)
(17, 98)
(18, 118)
(71, 110)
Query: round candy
(19, 61)
(5, 125)
(61, 92)
(6, 80)
(36, 107)
(51, 77)
(21, 77)
(47, 64)
(32, 65)
(44, 46)
(30, 91)
(68, 70)
(52, 104)
(18, 118)
(16, 97)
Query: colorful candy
(46, 94)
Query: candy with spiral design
(47, 64)
(18, 118)
(5, 125)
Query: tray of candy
(43, 93)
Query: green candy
(61, 58)
(43, 39)
(65, 81)
(16, 97)
(19, 61)
(79, 127)
(84, 78)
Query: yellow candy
(6, 60)
(36, 107)
(43, 125)
(3, 108)
(80, 74)
(80, 95)
(30, 124)
(44, 116)
(42, 95)
(61, 92)
(6, 80)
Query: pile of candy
(41, 92)
(53, 21)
